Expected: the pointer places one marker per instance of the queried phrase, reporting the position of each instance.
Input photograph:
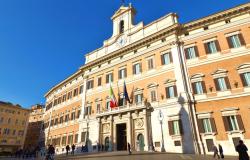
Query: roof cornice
(134, 46)
(223, 15)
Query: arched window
(121, 26)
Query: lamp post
(160, 117)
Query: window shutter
(170, 128)
(200, 125)
(162, 59)
(112, 77)
(180, 126)
(213, 125)
(196, 51)
(217, 45)
(244, 83)
(229, 42)
(194, 89)
(227, 83)
(125, 72)
(140, 67)
(171, 58)
(242, 41)
(134, 69)
(167, 94)
(226, 125)
(206, 48)
(107, 78)
(216, 85)
(119, 74)
(186, 53)
(204, 87)
(240, 123)
(175, 91)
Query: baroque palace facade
(189, 86)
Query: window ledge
(192, 59)
(235, 132)
(224, 93)
(177, 136)
(237, 48)
(247, 89)
(209, 134)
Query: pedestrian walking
(241, 148)
(215, 150)
(221, 152)
(67, 149)
(73, 147)
(82, 148)
(129, 149)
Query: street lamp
(160, 117)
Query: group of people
(73, 147)
(241, 148)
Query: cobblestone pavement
(134, 156)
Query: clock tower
(123, 20)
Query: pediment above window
(152, 85)
(138, 90)
(197, 77)
(244, 68)
(170, 82)
(219, 73)
(98, 99)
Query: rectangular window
(59, 100)
(137, 68)
(73, 116)
(99, 81)
(76, 138)
(70, 139)
(69, 94)
(245, 78)
(64, 98)
(81, 89)
(56, 121)
(64, 138)
(75, 92)
(190, 52)
(233, 125)
(122, 73)
(211, 47)
(222, 84)
(78, 113)
(98, 107)
(83, 136)
(207, 125)
(151, 63)
(171, 92)
(210, 145)
(109, 78)
(234, 41)
(107, 105)
(66, 118)
(138, 98)
(166, 58)
(176, 127)
(198, 87)
(61, 119)
(90, 84)
(153, 95)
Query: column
(129, 129)
(111, 133)
(145, 119)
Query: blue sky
(44, 41)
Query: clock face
(121, 41)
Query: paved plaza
(140, 156)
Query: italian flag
(113, 102)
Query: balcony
(124, 109)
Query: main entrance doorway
(121, 136)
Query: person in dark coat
(73, 147)
(241, 148)
(221, 152)
(129, 149)
(67, 149)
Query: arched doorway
(141, 144)
(106, 143)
